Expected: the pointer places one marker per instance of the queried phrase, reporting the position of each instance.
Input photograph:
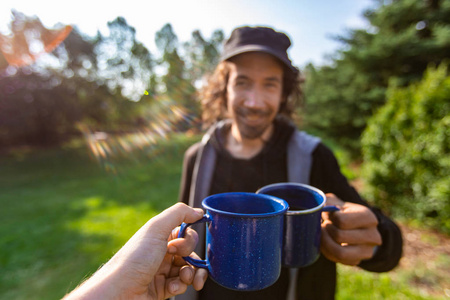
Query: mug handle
(330, 208)
(195, 262)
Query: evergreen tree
(176, 84)
(202, 55)
(404, 37)
(123, 62)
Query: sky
(309, 23)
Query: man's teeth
(252, 117)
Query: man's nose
(254, 98)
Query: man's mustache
(244, 111)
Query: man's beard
(248, 131)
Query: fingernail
(174, 286)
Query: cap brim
(257, 48)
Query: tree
(123, 62)
(176, 83)
(405, 36)
(177, 87)
(202, 55)
(338, 102)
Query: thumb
(172, 217)
(332, 199)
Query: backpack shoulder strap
(202, 175)
(299, 162)
(205, 163)
(299, 156)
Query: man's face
(254, 92)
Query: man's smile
(252, 116)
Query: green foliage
(404, 37)
(336, 105)
(406, 151)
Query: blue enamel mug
(244, 237)
(302, 227)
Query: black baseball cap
(258, 39)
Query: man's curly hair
(214, 95)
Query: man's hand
(349, 235)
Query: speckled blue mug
(244, 236)
(302, 230)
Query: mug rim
(303, 186)
(282, 202)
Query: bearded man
(252, 142)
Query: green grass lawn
(63, 214)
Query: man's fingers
(200, 274)
(187, 274)
(199, 279)
(353, 216)
(346, 254)
(369, 236)
(353, 219)
(332, 251)
(183, 246)
(174, 286)
(350, 234)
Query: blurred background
(99, 102)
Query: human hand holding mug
(349, 235)
(149, 265)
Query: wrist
(102, 285)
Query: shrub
(406, 151)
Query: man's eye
(271, 85)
